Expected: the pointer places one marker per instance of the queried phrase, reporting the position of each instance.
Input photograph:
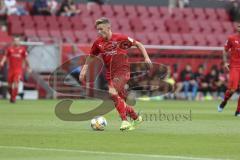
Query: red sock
(238, 106)
(14, 94)
(130, 111)
(120, 106)
(227, 95)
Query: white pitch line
(105, 153)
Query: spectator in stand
(234, 10)
(212, 80)
(2, 8)
(12, 7)
(68, 8)
(90, 3)
(177, 3)
(188, 81)
(52, 5)
(201, 80)
(40, 7)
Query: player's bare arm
(226, 64)
(144, 52)
(27, 65)
(83, 72)
(4, 58)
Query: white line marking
(105, 153)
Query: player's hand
(82, 76)
(149, 63)
(226, 66)
(29, 70)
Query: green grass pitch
(29, 130)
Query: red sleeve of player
(94, 50)
(7, 52)
(128, 39)
(228, 44)
(24, 53)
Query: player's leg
(120, 106)
(119, 82)
(232, 86)
(237, 113)
(16, 79)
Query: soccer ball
(98, 123)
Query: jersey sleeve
(7, 52)
(228, 44)
(94, 50)
(24, 53)
(128, 39)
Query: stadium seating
(182, 27)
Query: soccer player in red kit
(16, 55)
(112, 48)
(232, 48)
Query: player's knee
(112, 91)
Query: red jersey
(16, 55)
(232, 46)
(113, 52)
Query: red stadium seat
(119, 11)
(160, 26)
(69, 36)
(211, 14)
(194, 27)
(13, 19)
(177, 39)
(217, 27)
(38, 19)
(183, 26)
(177, 13)
(188, 39)
(91, 36)
(221, 39)
(148, 25)
(200, 39)
(124, 25)
(222, 14)
(81, 36)
(154, 12)
(164, 11)
(56, 34)
(142, 38)
(16, 29)
(108, 11)
(172, 26)
(199, 13)
(131, 11)
(30, 33)
(143, 12)
(153, 38)
(165, 39)
(42, 33)
(76, 22)
(212, 40)
(188, 14)
(228, 27)
(136, 25)
(206, 27)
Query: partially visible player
(232, 48)
(16, 56)
(112, 47)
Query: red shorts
(14, 76)
(234, 78)
(119, 81)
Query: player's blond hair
(102, 20)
